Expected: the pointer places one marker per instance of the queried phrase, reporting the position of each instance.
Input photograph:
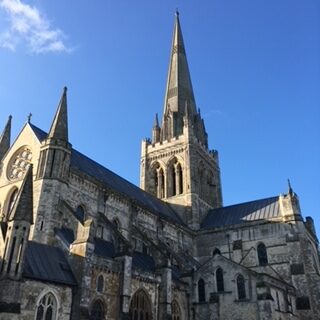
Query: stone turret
(53, 173)
(5, 139)
(55, 150)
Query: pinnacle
(5, 138)
(59, 127)
(23, 207)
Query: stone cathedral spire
(176, 165)
(179, 91)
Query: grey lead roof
(47, 263)
(110, 179)
(262, 209)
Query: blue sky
(254, 64)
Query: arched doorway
(97, 311)
(176, 312)
(140, 306)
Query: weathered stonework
(83, 243)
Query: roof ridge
(247, 202)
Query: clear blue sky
(255, 67)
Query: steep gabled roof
(263, 209)
(111, 180)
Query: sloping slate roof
(65, 234)
(47, 263)
(104, 248)
(262, 209)
(143, 262)
(115, 182)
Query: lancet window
(262, 254)
(159, 181)
(201, 291)
(100, 284)
(175, 178)
(241, 287)
(219, 280)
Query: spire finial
(156, 121)
(290, 188)
(29, 117)
(65, 89)
(177, 12)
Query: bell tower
(176, 165)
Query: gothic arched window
(219, 279)
(201, 291)
(176, 312)
(174, 178)
(100, 284)
(172, 173)
(140, 306)
(80, 213)
(158, 181)
(179, 179)
(12, 200)
(241, 287)
(47, 308)
(97, 311)
(262, 254)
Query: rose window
(19, 163)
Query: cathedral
(79, 242)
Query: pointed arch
(219, 280)
(174, 177)
(158, 180)
(80, 213)
(176, 310)
(47, 306)
(241, 287)
(100, 283)
(201, 291)
(140, 306)
(97, 310)
(262, 254)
